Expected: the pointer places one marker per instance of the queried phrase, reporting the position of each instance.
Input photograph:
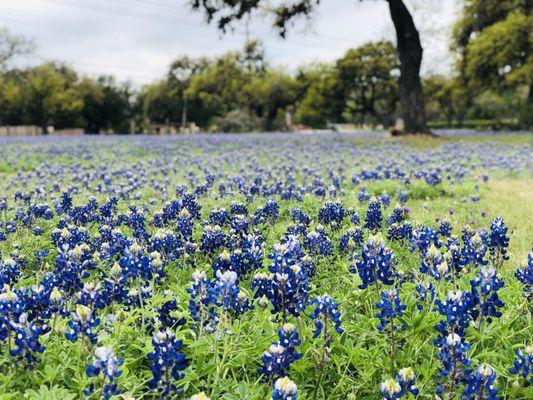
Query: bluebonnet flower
(385, 199)
(136, 220)
(485, 290)
(474, 250)
(56, 303)
(374, 217)
(401, 233)
(278, 359)
(261, 284)
(237, 262)
(275, 362)
(203, 297)
(252, 249)
(407, 381)
(524, 275)
(189, 201)
(498, 242)
(354, 217)
(165, 316)
(326, 310)
(223, 263)
(376, 263)
(92, 296)
(390, 389)
(363, 195)
(423, 238)
(398, 215)
(83, 323)
(289, 338)
(433, 178)
(445, 228)
(300, 217)
(454, 258)
(351, 240)
(9, 271)
(284, 389)
(137, 296)
(271, 210)
(452, 353)
(11, 306)
(435, 264)
(219, 217)
(167, 363)
(318, 243)
(390, 308)
(241, 303)
(403, 196)
(289, 291)
(185, 225)
(240, 224)
(523, 364)
(426, 295)
(480, 384)
(115, 285)
(212, 239)
(26, 339)
(168, 244)
(238, 209)
(106, 365)
(226, 288)
(136, 264)
(332, 214)
(457, 310)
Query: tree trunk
(410, 52)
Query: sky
(136, 40)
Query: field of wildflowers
(265, 267)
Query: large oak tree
(224, 12)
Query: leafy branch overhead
(224, 12)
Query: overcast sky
(137, 39)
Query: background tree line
(241, 91)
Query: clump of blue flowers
(524, 274)
(374, 217)
(523, 364)
(498, 242)
(480, 384)
(105, 366)
(376, 263)
(485, 290)
(279, 357)
(167, 363)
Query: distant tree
(220, 88)
(281, 93)
(51, 96)
(224, 12)
(442, 98)
(320, 101)
(368, 79)
(158, 103)
(179, 77)
(493, 40)
(12, 46)
(106, 105)
(12, 103)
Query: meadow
(266, 266)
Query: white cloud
(136, 40)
